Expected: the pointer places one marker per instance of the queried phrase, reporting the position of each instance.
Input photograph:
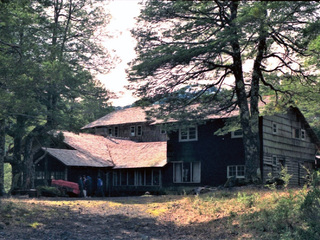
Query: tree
(51, 51)
(207, 44)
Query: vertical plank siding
(282, 146)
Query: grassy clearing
(242, 213)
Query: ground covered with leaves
(229, 214)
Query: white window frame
(237, 134)
(187, 130)
(139, 177)
(192, 173)
(237, 171)
(132, 133)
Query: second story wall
(197, 156)
(139, 132)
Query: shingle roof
(75, 158)
(138, 115)
(98, 151)
(123, 116)
(94, 146)
(129, 154)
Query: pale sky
(123, 13)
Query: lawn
(237, 213)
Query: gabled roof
(94, 146)
(97, 151)
(123, 116)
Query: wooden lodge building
(134, 155)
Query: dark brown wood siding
(148, 133)
(215, 153)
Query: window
(188, 134)
(186, 172)
(123, 178)
(274, 128)
(296, 133)
(274, 160)
(132, 131)
(299, 133)
(39, 174)
(141, 177)
(139, 130)
(303, 134)
(237, 134)
(110, 132)
(236, 171)
(57, 175)
(116, 131)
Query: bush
(48, 191)
(310, 209)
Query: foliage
(7, 177)
(310, 208)
(198, 53)
(50, 52)
(48, 191)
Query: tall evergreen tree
(211, 44)
(51, 53)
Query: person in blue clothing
(100, 187)
(89, 186)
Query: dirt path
(151, 217)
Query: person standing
(84, 181)
(80, 183)
(89, 186)
(100, 187)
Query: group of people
(86, 187)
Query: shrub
(310, 209)
(48, 191)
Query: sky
(123, 13)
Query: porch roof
(129, 154)
(76, 158)
(98, 151)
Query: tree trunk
(29, 168)
(2, 155)
(249, 122)
(17, 167)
